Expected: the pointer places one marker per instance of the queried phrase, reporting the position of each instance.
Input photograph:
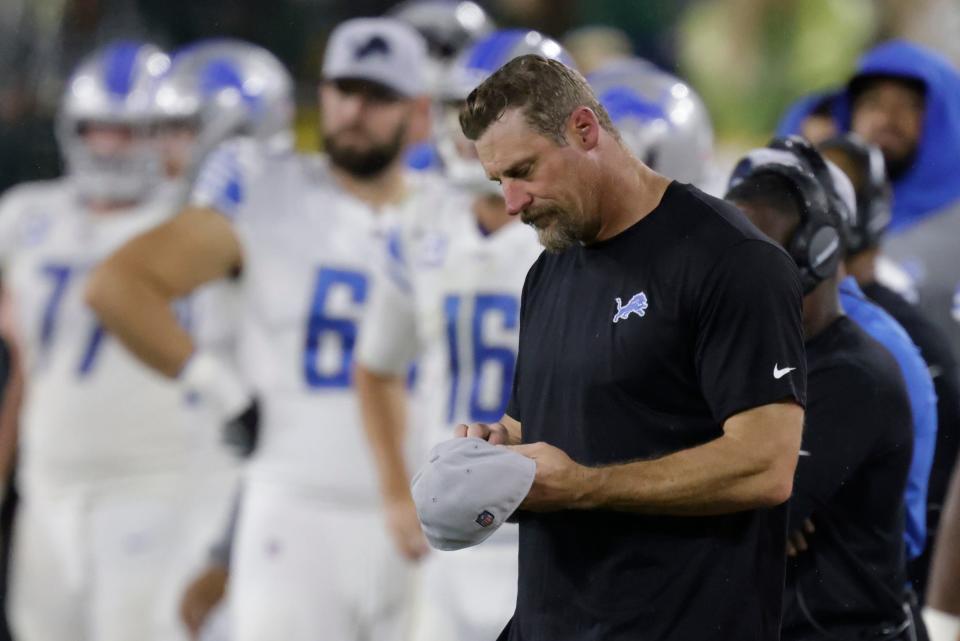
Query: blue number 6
(320, 324)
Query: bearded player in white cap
(451, 298)
(312, 558)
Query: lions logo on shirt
(636, 305)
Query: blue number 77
(61, 276)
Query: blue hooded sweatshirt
(791, 121)
(923, 404)
(933, 182)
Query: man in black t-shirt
(863, 164)
(846, 516)
(659, 384)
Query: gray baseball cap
(382, 50)
(467, 489)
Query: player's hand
(560, 482)
(797, 540)
(202, 595)
(404, 527)
(217, 384)
(495, 433)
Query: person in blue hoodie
(904, 98)
(812, 117)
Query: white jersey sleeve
(226, 177)
(26, 212)
(8, 226)
(388, 334)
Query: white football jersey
(450, 298)
(308, 248)
(90, 411)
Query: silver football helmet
(217, 89)
(448, 26)
(472, 67)
(113, 88)
(661, 119)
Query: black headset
(873, 197)
(817, 245)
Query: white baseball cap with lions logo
(467, 489)
(382, 50)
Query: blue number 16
(507, 308)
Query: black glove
(241, 432)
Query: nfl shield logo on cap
(486, 519)
(468, 489)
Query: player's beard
(559, 229)
(369, 162)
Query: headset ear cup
(815, 248)
(823, 252)
(798, 249)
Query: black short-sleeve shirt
(637, 347)
(855, 457)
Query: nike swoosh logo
(780, 373)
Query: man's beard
(365, 163)
(897, 167)
(561, 230)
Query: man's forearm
(141, 316)
(943, 592)
(10, 411)
(134, 289)
(383, 405)
(728, 474)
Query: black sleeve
(749, 349)
(852, 416)
(513, 405)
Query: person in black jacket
(846, 515)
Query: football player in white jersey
(214, 90)
(217, 89)
(312, 558)
(104, 443)
(450, 298)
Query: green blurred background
(748, 58)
